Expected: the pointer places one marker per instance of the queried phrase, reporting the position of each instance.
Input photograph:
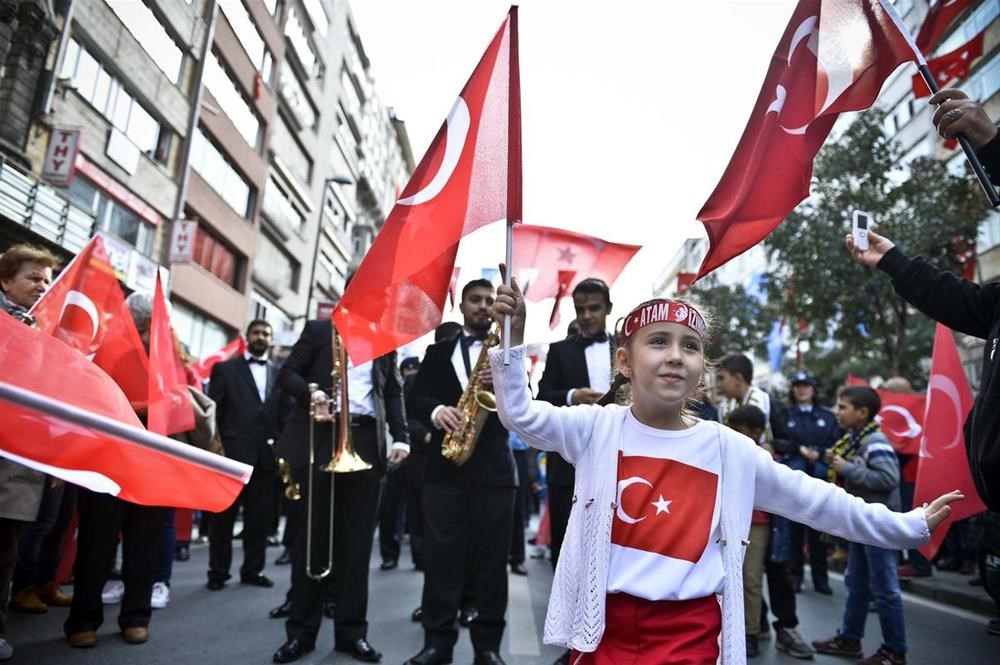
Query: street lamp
(339, 180)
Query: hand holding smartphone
(859, 230)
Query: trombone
(345, 458)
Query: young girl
(651, 566)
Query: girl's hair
(620, 391)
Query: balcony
(39, 207)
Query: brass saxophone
(476, 404)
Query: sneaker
(790, 641)
(993, 628)
(114, 591)
(884, 657)
(753, 649)
(161, 596)
(6, 650)
(839, 646)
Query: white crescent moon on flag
(622, 486)
(805, 29)
(913, 427)
(948, 387)
(458, 130)
(87, 305)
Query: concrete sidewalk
(951, 589)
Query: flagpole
(76, 415)
(925, 73)
(507, 280)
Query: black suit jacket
(244, 422)
(311, 361)
(565, 370)
(492, 462)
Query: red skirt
(661, 632)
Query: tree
(740, 321)
(922, 207)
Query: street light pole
(340, 180)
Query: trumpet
(345, 458)
(292, 489)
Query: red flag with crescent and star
(953, 66)
(86, 309)
(902, 419)
(71, 421)
(944, 465)
(169, 410)
(469, 177)
(940, 15)
(664, 506)
(833, 57)
(547, 253)
(202, 369)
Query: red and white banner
(950, 67)
(940, 15)
(202, 369)
(902, 419)
(169, 410)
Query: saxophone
(476, 404)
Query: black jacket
(311, 361)
(492, 463)
(989, 155)
(973, 309)
(244, 422)
(565, 370)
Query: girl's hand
(939, 510)
(510, 301)
(877, 247)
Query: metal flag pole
(507, 280)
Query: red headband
(664, 311)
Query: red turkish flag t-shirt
(664, 536)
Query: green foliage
(923, 209)
(739, 321)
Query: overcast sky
(630, 109)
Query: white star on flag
(662, 506)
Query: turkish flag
(453, 286)
(86, 309)
(202, 369)
(565, 279)
(940, 16)
(470, 176)
(548, 253)
(855, 380)
(834, 57)
(943, 463)
(901, 419)
(66, 417)
(949, 67)
(169, 410)
(664, 507)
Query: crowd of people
(673, 486)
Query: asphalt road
(231, 626)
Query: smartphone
(862, 220)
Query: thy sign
(60, 157)
(182, 240)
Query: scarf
(847, 446)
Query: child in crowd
(866, 463)
(651, 567)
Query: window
(285, 145)
(296, 99)
(279, 208)
(976, 21)
(212, 255)
(107, 94)
(201, 335)
(250, 39)
(262, 308)
(111, 215)
(985, 82)
(231, 100)
(274, 268)
(209, 163)
(295, 31)
(148, 31)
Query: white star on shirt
(662, 506)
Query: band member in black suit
(375, 395)
(468, 509)
(247, 412)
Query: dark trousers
(520, 507)
(415, 524)
(168, 543)
(466, 537)
(40, 545)
(102, 518)
(9, 532)
(560, 504)
(781, 593)
(799, 533)
(392, 516)
(355, 511)
(291, 511)
(257, 498)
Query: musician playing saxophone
(375, 396)
(468, 507)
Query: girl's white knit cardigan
(589, 436)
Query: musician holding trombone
(338, 452)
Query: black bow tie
(469, 340)
(587, 341)
(256, 361)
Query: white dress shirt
(361, 395)
(458, 363)
(598, 356)
(259, 373)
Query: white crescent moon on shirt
(458, 130)
(622, 486)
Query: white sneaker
(114, 591)
(6, 650)
(161, 596)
